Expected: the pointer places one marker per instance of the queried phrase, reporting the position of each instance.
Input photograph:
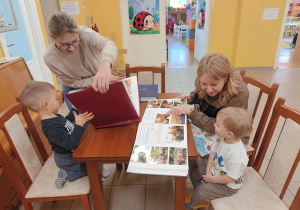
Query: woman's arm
(108, 51)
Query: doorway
(287, 52)
(27, 41)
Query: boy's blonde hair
(61, 23)
(34, 94)
(217, 66)
(237, 120)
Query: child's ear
(230, 134)
(45, 105)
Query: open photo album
(120, 105)
(160, 146)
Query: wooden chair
(256, 89)
(267, 192)
(41, 174)
(145, 74)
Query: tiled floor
(141, 192)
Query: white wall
(144, 49)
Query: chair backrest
(184, 27)
(21, 145)
(256, 88)
(145, 74)
(286, 154)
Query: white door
(28, 40)
(202, 36)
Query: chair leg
(85, 202)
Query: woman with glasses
(79, 56)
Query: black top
(61, 133)
(208, 109)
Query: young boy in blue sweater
(61, 132)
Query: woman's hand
(82, 118)
(179, 110)
(102, 78)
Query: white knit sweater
(76, 70)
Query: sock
(62, 178)
(105, 171)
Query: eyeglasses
(66, 46)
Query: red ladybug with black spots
(143, 21)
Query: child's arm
(71, 116)
(208, 177)
(223, 179)
(68, 139)
(209, 163)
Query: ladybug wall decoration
(143, 21)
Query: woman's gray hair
(61, 23)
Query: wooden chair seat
(254, 194)
(43, 186)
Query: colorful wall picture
(201, 14)
(143, 17)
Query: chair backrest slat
(23, 145)
(153, 69)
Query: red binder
(120, 105)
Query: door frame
(287, 4)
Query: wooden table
(114, 145)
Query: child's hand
(207, 178)
(82, 118)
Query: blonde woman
(218, 86)
(79, 56)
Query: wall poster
(201, 14)
(143, 16)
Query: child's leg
(74, 175)
(75, 170)
(62, 178)
(196, 173)
(211, 191)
